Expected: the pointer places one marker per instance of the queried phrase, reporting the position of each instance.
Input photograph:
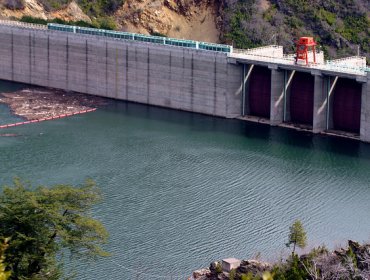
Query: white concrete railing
(271, 50)
(22, 24)
(354, 61)
(289, 60)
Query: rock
(253, 266)
(362, 254)
(201, 274)
(355, 246)
(213, 266)
(223, 276)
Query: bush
(105, 23)
(218, 268)
(158, 34)
(100, 8)
(35, 20)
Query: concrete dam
(211, 79)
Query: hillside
(340, 26)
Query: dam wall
(186, 79)
(330, 97)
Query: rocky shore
(39, 103)
(352, 262)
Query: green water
(181, 189)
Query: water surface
(182, 189)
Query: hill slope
(340, 26)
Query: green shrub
(329, 17)
(158, 34)
(100, 8)
(35, 20)
(105, 23)
(218, 268)
(232, 275)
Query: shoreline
(346, 262)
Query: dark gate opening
(301, 98)
(347, 106)
(260, 92)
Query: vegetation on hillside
(95, 8)
(339, 26)
(99, 8)
(41, 226)
(103, 23)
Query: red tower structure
(303, 46)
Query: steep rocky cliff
(196, 20)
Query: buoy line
(47, 119)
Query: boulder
(254, 266)
(201, 274)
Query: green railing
(142, 38)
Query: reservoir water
(181, 190)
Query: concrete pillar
(288, 78)
(247, 71)
(365, 111)
(331, 83)
(277, 97)
(233, 82)
(319, 103)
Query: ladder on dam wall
(355, 65)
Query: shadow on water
(6, 86)
(286, 136)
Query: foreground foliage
(42, 222)
(4, 273)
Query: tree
(43, 223)
(4, 273)
(297, 236)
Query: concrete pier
(277, 96)
(365, 110)
(319, 106)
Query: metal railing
(22, 24)
(142, 38)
